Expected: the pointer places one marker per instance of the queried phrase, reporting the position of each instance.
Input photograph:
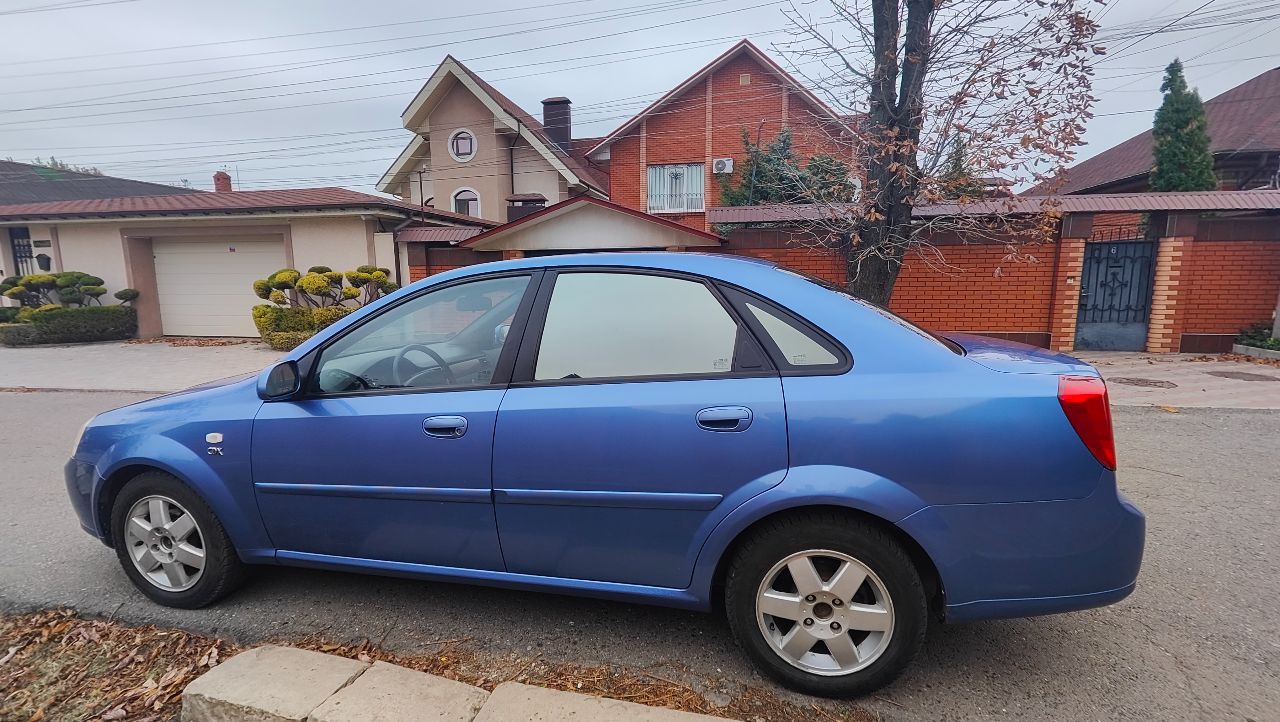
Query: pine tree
(957, 182)
(1182, 159)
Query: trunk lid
(1018, 358)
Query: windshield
(947, 343)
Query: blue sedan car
(690, 430)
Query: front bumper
(82, 481)
(1028, 558)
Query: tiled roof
(313, 199)
(1092, 203)
(26, 183)
(576, 162)
(447, 235)
(551, 212)
(1245, 119)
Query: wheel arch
(924, 564)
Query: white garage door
(206, 286)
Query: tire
(193, 534)
(873, 636)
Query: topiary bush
(286, 340)
(324, 317)
(66, 288)
(54, 324)
(8, 314)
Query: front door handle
(724, 418)
(445, 427)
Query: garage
(205, 287)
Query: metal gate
(1115, 296)
(20, 244)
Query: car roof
(717, 265)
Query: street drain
(1242, 376)
(1148, 383)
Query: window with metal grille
(20, 244)
(677, 188)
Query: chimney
(222, 182)
(556, 120)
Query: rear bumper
(1029, 558)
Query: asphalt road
(1199, 639)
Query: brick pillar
(1066, 294)
(512, 255)
(1163, 329)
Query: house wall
(339, 243)
(487, 173)
(533, 174)
(707, 121)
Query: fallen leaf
(364, 657)
(117, 713)
(1170, 409)
(9, 656)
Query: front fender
(227, 490)
(804, 486)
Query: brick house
(1128, 271)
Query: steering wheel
(401, 358)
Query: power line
(62, 6)
(260, 38)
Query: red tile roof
(576, 162)
(1092, 203)
(1245, 119)
(310, 199)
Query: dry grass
(56, 666)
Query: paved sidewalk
(116, 366)
(285, 684)
(1186, 380)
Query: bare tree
(1009, 81)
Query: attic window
(462, 145)
(744, 79)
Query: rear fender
(804, 486)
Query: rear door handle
(445, 427)
(724, 418)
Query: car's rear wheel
(825, 604)
(171, 545)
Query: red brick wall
(827, 265)
(682, 131)
(1231, 284)
(970, 296)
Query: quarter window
(462, 145)
(609, 325)
(798, 347)
(676, 188)
(449, 337)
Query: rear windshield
(947, 343)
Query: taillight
(1084, 400)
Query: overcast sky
(293, 93)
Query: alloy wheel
(165, 543)
(825, 612)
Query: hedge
(284, 327)
(73, 325)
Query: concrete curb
(1255, 351)
(284, 684)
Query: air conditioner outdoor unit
(722, 165)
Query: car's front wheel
(171, 545)
(825, 604)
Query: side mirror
(280, 381)
(500, 334)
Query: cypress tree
(1182, 159)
